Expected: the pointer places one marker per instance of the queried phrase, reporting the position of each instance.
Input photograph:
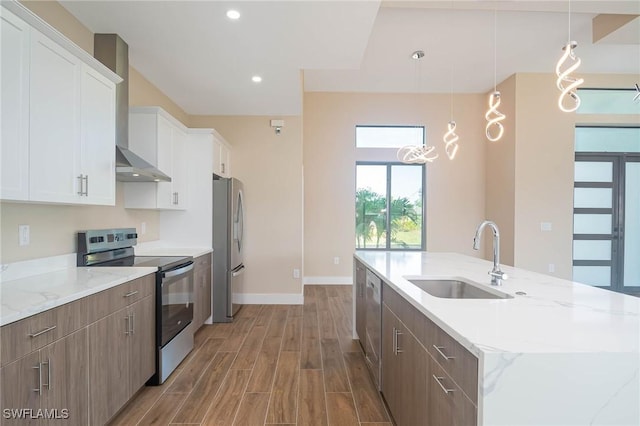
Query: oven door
(176, 310)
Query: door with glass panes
(606, 220)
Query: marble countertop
(26, 296)
(555, 315)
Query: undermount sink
(455, 289)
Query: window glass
(610, 101)
(607, 139)
(592, 197)
(632, 226)
(592, 249)
(388, 136)
(593, 275)
(389, 206)
(593, 171)
(592, 224)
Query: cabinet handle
(439, 381)
(86, 185)
(222, 167)
(131, 293)
(46, 330)
(398, 350)
(439, 350)
(48, 364)
(133, 323)
(39, 368)
(81, 184)
(127, 328)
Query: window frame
(423, 227)
(387, 126)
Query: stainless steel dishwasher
(374, 326)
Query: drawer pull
(396, 343)
(439, 381)
(39, 368)
(127, 325)
(131, 293)
(445, 356)
(48, 364)
(46, 330)
(133, 323)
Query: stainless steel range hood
(113, 52)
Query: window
(389, 136)
(389, 206)
(608, 101)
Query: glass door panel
(406, 207)
(371, 206)
(632, 225)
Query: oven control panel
(97, 240)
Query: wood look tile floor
(274, 365)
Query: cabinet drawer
(203, 261)
(456, 360)
(32, 333)
(106, 302)
(447, 404)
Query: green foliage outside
(371, 221)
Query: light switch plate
(545, 226)
(23, 234)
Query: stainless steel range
(174, 290)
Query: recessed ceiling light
(135, 175)
(256, 79)
(233, 14)
(418, 54)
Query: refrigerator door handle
(238, 271)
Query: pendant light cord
(569, 24)
(495, 50)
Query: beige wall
(53, 227)
(270, 167)
(455, 189)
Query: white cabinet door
(14, 75)
(98, 138)
(54, 122)
(164, 158)
(221, 158)
(179, 170)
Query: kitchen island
(554, 353)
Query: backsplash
(53, 228)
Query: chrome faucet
(496, 274)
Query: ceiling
(204, 62)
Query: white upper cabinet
(54, 122)
(221, 157)
(58, 116)
(14, 59)
(159, 139)
(98, 129)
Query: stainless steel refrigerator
(228, 246)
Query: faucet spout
(496, 274)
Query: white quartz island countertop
(556, 353)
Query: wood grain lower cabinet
(121, 357)
(361, 302)
(202, 290)
(420, 366)
(404, 370)
(52, 383)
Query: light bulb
(494, 103)
(564, 76)
(450, 140)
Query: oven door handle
(178, 271)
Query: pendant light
(566, 83)
(637, 97)
(450, 138)
(417, 154)
(494, 128)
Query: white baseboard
(328, 280)
(268, 298)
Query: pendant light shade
(494, 129)
(451, 140)
(417, 154)
(569, 100)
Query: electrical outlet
(336, 260)
(296, 273)
(23, 234)
(143, 228)
(545, 226)
(552, 267)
